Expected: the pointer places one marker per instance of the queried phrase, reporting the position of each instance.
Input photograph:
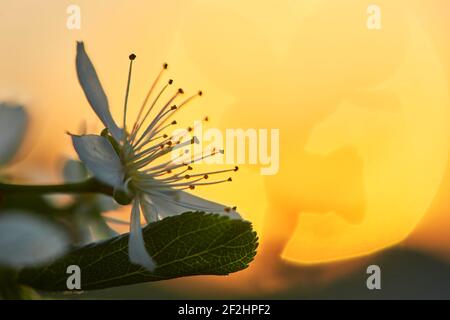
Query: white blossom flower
(13, 122)
(29, 240)
(25, 239)
(131, 161)
(90, 213)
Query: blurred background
(363, 116)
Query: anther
(205, 176)
(234, 208)
(189, 168)
(187, 176)
(229, 179)
(174, 122)
(236, 168)
(180, 90)
(200, 93)
(170, 81)
(206, 119)
(165, 65)
(125, 106)
(173, 107)
(192, 187)
(194, 140)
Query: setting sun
(362, 113)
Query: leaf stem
(88, 186)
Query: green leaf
(193, 243)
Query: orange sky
(363, 114)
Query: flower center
(144, 149)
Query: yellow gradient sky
(363, 114)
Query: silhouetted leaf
(193, 243)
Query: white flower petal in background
(29, 240)
(105, 203)
(90, 224)
(94, 92)
(74, 171)
(100, 158)
(13, 123)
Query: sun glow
(363, 114)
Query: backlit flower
(135, 162)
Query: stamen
(164, 183)
(139, 125)
(195, 183)
(207, 174)
(163, 117)
(152, 138)
(131, 57)
(177, 175)
(148, 159)
(152, 87)
(158, 123)
(173, 173)
(157, 118)
(173, 181)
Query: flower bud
(122, 197)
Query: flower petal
(13, 122)
(94, 92)
(100, 230)
(28, 240)
(105, 203)
(100, 158)
(149, 210)
(173, 202)
(74, 171)
(136, 247)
